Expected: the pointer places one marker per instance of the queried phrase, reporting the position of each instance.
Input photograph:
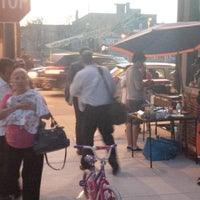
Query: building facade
(94, 30)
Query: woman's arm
(4, 112)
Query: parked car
(157, 69)
(162, 77)
(54, 75)
(161, 70)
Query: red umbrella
(163, 40)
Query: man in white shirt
(89, 86)
(71, 72)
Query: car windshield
(62, 59)
(66, 60)
(121, 59)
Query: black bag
(117, 110)
(118, 113)
(49, 140)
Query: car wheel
(47, 85)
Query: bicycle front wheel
(110, 193)
(85, 186)
(89, 186)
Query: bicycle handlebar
(95, 148)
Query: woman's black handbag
(49, 140)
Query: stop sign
(13, 10)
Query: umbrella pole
(178, 67)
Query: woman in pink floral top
(22, 111)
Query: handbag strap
(63, 165)
(106, 84)
(53, 121)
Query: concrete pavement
(167, 180)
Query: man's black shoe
(116, 170)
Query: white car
(162, 77)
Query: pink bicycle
(94, 183)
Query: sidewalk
(167, 180)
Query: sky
(63, 11)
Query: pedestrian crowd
(87, 86)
